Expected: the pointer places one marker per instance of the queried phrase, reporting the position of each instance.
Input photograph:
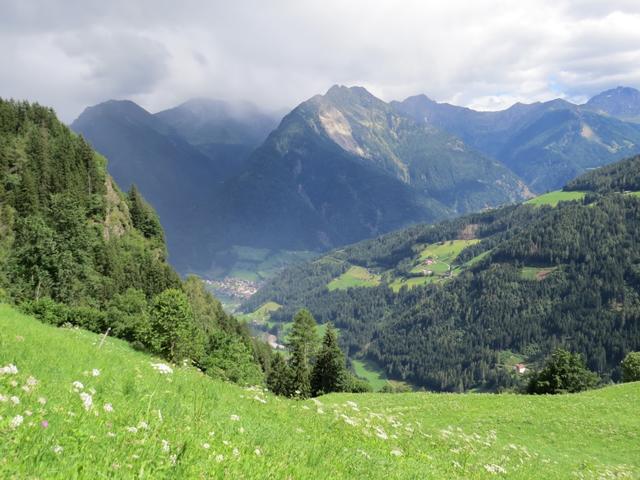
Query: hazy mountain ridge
(546, 143)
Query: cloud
(486, 54)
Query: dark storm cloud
(486, 54)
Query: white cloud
(486, 54)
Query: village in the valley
(233, 287)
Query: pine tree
(329, 372)
(279, 378)
(303, 342)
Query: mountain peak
(621, 102)
(341, 93)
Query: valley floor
(125, 418)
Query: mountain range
(343, 166)
(456, 305)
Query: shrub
(631, 367)
(564, 372)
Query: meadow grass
(370, 372)
(127, 419)
(354, 277)
(535, 273)
(553, 198)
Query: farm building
(520, 368)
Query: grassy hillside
(553, 198)
(186, 425)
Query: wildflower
(320, 411)
(219, 458)
(16, 421)
(206, 446)
(108, 407)
(143, 425)
(3, 398)
(235, 418)
(162, 368)
(236, 452)
(226, 442)
(173, 459)
(15, 400)
(258, 452)
(13, 383)
(87, 400)
(28, 413)
(31, 381)
(132, 430)
(396, 452)
(111, 434)
(77, 386)
(10, 369)
(380, 433)
(42, 400)
(211, 434)
(259, 399)
(57, 449)
(495, 469)
(165, 446)
(44, 424)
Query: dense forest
(75, 250)
(451, 335)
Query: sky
(485, 54)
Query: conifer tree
(303, 342)
(279, 378)
(329, 372)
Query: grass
(443, 255)
(553, 198)
(535, 273)
(188, 425)
(262, 314)
(354, 277)
(370, 372)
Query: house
(427, 273)
(520, 368)
(429, 261)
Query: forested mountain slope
(441, 306)
(74, 250)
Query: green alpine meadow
(82, 406)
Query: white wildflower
(320, 411)
(3, 398)
(111, 434)
(108, 407)
(241, 430)
(173, 459)
(16, 421)
(57, 449)
(396, 452)
(13, 383)
(234, 418)
(10, 369)
(132, 430)
(15, 400)
(305, 407)
(380, 433)
(77, 386)
(348, 420)
(95, 372)
(142, 425)
(206, 446)
(258, 452)
(87, 400)
(259, 399)
(28, 413)
(42, 400)
(495, 469)
(219, 458)
(226, 442)
(165, 446)
(211, 434)
(236, 452)
(162, 368)
(31, 381)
